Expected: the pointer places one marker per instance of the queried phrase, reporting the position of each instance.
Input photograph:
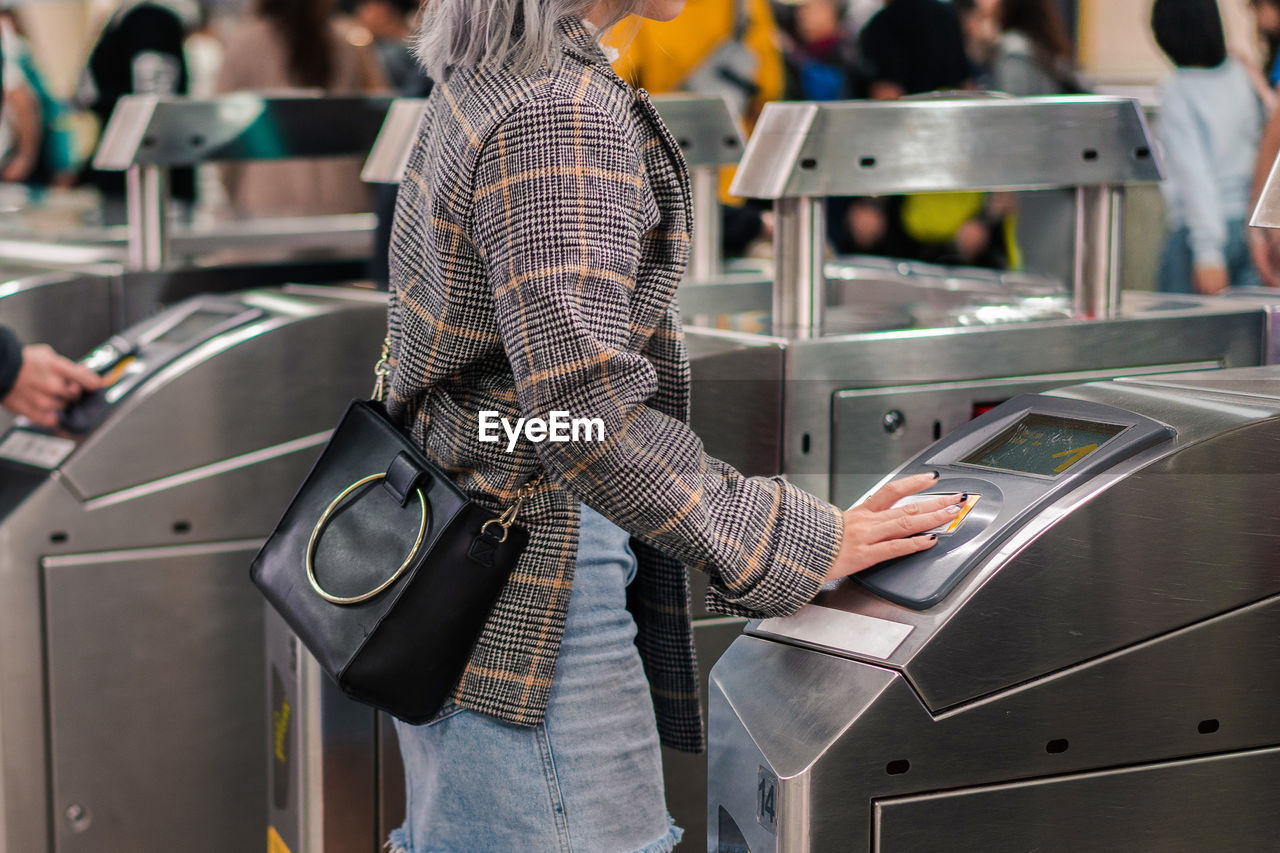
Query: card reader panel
(1015, 459)
(126, 362)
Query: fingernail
(964, 498)
(954, 508)
(935, 474)
(933, 537)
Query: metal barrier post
(147, 188)
(799, 246)
(1098, 251)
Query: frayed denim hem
(399, 841)
(667, 842)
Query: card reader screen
(1043, 444)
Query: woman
(1035, 55)
(288, 45)
(1210, 125)
(541, 229)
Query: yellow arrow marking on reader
(1073, 456)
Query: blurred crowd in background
(750, 51)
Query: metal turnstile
(1087, 660)
(72, 284)
(131, 684)
(68, 308)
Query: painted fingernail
(964, 498)
(935, 474)
(933, 537)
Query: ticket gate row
(131, 688)
(1089, 659)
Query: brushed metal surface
(1087, 585)
(35, 307)
(737, 400)
(390, 153)
(150, 130)
(146, 658)
(826, 627)
(1206, 689)
(212, 402)
(864, 448)
(879, 147)
(1133, 628)
(816, 370)
(800, 282)
(1217, 803)
(117, 546)
(708, 133)
(685, 775)
(1098, 251)
(1266, 213)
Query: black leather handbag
(384, 569)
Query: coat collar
(581, 42)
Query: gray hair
(518, 34)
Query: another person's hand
(46, 383)
(874, 531)
(1210, 280)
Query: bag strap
(381, 370)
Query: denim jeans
(586, 780)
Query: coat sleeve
(10, 361)
(558, 221)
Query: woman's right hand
(874, 531)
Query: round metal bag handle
(315, 539)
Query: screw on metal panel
(78, 817)
(893, 421)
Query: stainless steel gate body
(131, 688)
(1105, 680)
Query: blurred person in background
(289, 45)
(139, 52)
(1210, 124)
(1266, 16)
(912, 47)
(390, 26)
(915, 46)
(1035, 55)
(35, 382)
(727, 47)
(715, 47)
(20, 117)
(979, 21)
(821, 54)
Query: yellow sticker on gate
(967, 508)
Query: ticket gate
(1089, 659)
(131, 638)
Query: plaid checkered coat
(541, 229)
